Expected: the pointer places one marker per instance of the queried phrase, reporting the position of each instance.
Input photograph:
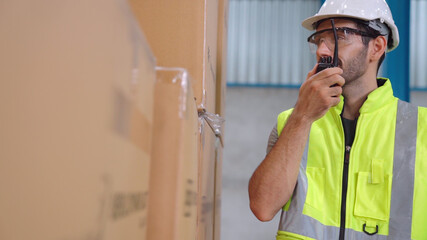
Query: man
(349, 161)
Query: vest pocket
(316, 188)
(373, 197)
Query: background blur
(268, 59)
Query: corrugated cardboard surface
(184, 34)
(218, 189)
(76, 93)
(210, 56)
(206, 194)
(173, 209)
(221, 82)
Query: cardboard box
(221, 66)
(218, 189)
(206, 194)
(173, 209)
(184, 34)
(76, 89)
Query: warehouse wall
(417, 46)
(267, 45)
(251, 114)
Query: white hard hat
(366, 10)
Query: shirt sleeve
(272, 139)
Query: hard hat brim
(309, 22)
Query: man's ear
(378, 47)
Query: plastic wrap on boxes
(215, 122)
(177, 76)
(173, 201)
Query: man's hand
(318, 93)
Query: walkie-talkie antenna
(327, 62)
(335, 61)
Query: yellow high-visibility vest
(386, 194)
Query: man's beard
(355, 68)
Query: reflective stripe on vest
(400, 221)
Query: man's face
(352, 58)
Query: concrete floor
(250, 116)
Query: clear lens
(345, 37)
(313, 47)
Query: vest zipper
(344, 191)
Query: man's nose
(323, 50)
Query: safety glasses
(346, 36)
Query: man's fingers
(335, 101)
(335, 91)
(328, 77)
(329, 72)
(312, 71)
(335, 80)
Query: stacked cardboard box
(220, 110)
(206, 196)
(80, 141)
(218, 189)
(173, 209)
(221, 80)
(184, 34)
(76, 89)
(191, 35)
(210, 167)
